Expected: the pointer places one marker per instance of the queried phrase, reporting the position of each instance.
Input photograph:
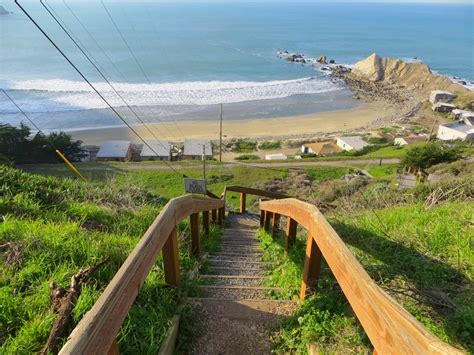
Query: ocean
(190, 58)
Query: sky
(5, 2)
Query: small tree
(431, 154)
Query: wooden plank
(114, 349)
(220, 216)
(205, 223)
(167, 348)
(194, 226)
(214, 216)
(256, 192)
(312, 268)
(243, 202)
(275, 224)
(390, 328)
(290, 233)
(171, 259)
(96, 331)
(262, 218)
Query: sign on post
(195, 186)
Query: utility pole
(220, 136)
(204, 160)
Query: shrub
(270, 145)
(247, 157)
(244, 146)
(431, 154)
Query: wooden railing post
(290, 235)
(275, 224)
(312, 266)
(268, 217)
(195, 244)
(205, 223)
(262, 218)
(243, 201)
(220, 216)
(214, 216)
(114, 349)
(171, 259)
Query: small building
(468, 117)
(441, 96)
(90, 152)
(351, 143)
(400, 141)
(115, 151)
(195, 148)
(321, 148)
(455, 130)
(156, 150)
(276, 157)
(457, 113)
(443, 107)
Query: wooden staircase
(236, 311)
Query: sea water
(179, 61)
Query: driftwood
(63, 303)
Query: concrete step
(229, 280)
(236, 271)
(239, 292)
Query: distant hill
(3, 11)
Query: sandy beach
(304, 125)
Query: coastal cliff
(417, 77)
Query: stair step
(230, 280)
(236, 271)
(239, 264)
(253, 260)
(247, 254)
(243, 246)
(238, 292)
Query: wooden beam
(290, 233)
(205, 223)
(275, 224)
(214, 216)
(256, 192)
(171, 259)
(114, 349)
(243, 202)
(220, 216)
(262, 218)
(312, 267)
(195, 243)
(268, 218)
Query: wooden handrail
(390, 328)
(244, 191)
(96, 332)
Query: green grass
(269, 145)
(243, 146)
(381, 171)
(422, 257)
(54, 227)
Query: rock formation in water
(413, 76)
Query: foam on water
(66, 95)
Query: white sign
(194, 186)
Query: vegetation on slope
(50, 229)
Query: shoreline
(317, 124)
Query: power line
(88, 82)
(102, 74)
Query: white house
(320, 148)
(115, 150)
(400, 141)
(457, 113)
(455, 130)
(441, 96)
(159, 150)
(351, 143)
(443, 107)
(276, 157)
(195, 148)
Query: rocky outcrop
(413, 76)
(3, 11)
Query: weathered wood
(205, 223)
(290, 233)
(275, 224)
(268, 218)
(312, 267)
(214, 216)
(114, 349)
(220, 216)
(171, 259)
(96, 331)
(168, 346)
(243, 202)
(194, 226)
(390, 328)
(262, 218)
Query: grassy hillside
(419, 252)
(50, 229)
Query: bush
(377, 140)
(431, 154)
(244, 146)
(248, 157)
(270, 145)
